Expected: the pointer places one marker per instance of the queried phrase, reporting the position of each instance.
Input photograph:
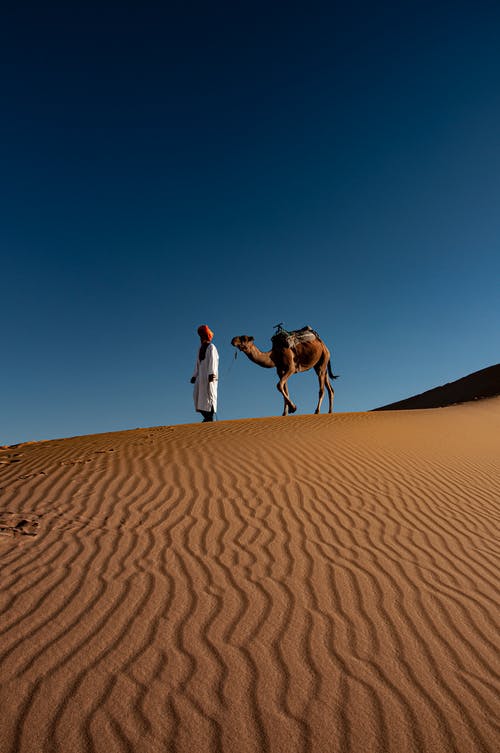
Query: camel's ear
(250, 339)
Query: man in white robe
(205, 376)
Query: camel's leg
(283, 388)
(285, 406)
(321, 372)
(281, 372)
(331, 392)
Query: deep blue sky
(241, 164)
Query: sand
(480, 384)
(299, 584)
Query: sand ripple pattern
(308, 584)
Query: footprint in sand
(11, 457)
(12, 524)
(78, 461)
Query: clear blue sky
(241, 164)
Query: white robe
(205, 392)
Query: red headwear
(205, 332)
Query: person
(206, 372)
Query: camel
(290, 360)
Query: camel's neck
(260, 358)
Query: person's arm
(212, 363)
(195, 372)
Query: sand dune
(476, 386)
(299, 584)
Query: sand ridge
(480, 384)
(299, 584)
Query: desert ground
(301, 584)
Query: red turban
(205, 332)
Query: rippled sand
(315, 583)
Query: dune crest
(304, 584)
(477, 386)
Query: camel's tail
(332, 375)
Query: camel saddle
(285, 339)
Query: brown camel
(290, 360)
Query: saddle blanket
(283, 338)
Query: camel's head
(243, 343)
